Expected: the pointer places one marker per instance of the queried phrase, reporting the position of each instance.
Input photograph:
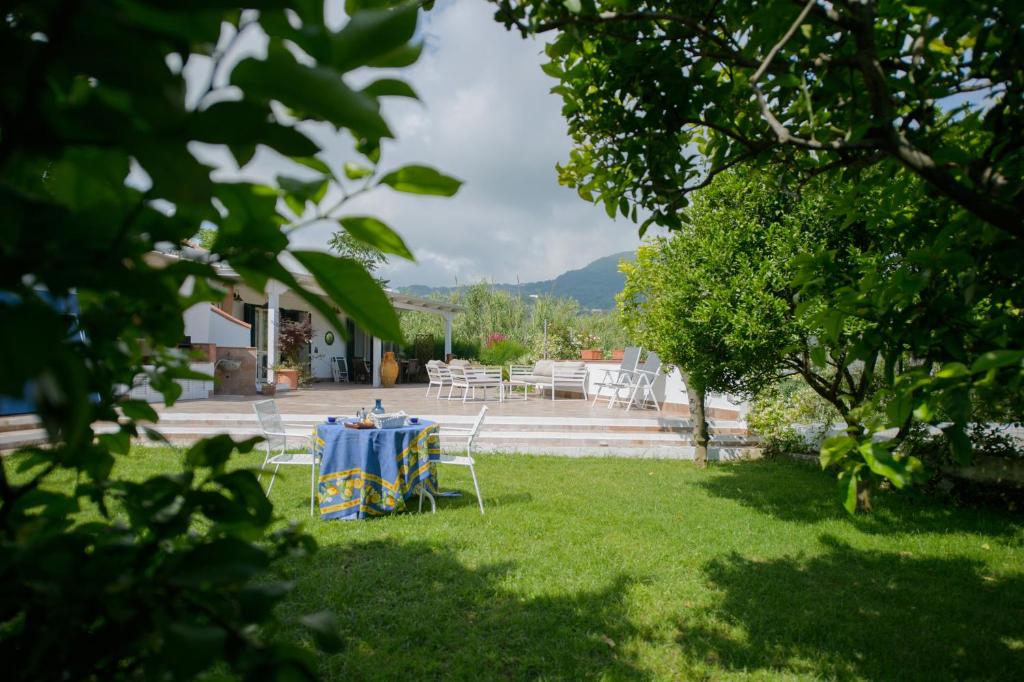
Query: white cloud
(486, 117)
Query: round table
(372, 472)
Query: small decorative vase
(388, 369)
(378, 408)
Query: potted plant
(589, 349)
(618, 353)
(285, 373)
(293, 336)
(268, 389)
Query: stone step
(18, 422)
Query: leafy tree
(370, 257)
(155, 578)
(719, 300)
(916, 105)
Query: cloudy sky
(487, 118)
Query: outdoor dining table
(372, 472)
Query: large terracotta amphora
(388, 369)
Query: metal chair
(339, 369)
(439, 375)
(616, 379)
(469, 437)
(277, 441)
(642, 379)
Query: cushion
(543, 368)
(571, 364)
(457, 362)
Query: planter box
(591, 354)
(618, 353)
(287, 376)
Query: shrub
(791, 418)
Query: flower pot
(618, 353)
(591, 354)
(269, 389)
(287, 376)
(388, 370)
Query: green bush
(503, 353)
(778, 409)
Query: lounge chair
(617, 380)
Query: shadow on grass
(410, 610)
(802, 493)
(851, 613)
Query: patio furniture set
(366, 472)
(632, 383)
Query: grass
(633, 569)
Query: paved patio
(344, 399)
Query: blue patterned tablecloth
(371, 472)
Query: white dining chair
(277, 442)
(468, 438)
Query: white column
(447, 336)
(274, 291)
(376, 362)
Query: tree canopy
(110, 114)
(913, 110)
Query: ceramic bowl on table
(331, 420)
(414, 420)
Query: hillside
(593, 285)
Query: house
(239, 334)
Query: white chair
(482, 378)
(339, 369)
(439, 375)
(468, 436)
(640, 384)
(277, 441)
(616, 379)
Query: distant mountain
(593, 285)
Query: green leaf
(372, 33)
(317, 91)
(899, 408)
(953, 370)
(138, 410)
(304, 190)
(348, 285)
(400, 57)
(835, 449)
(324, 627)
(371, 231)
(390, 87)
(421, 180)
(848, 489)
(881, 462)
(573, 6)
(353, 171)
(959, 444)
(314, 163)
(995, 359)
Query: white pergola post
(376, 362)
(274, 291)
(447, 336)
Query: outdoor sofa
(550, 375)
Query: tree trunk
(696, 395)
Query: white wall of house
(197, 323)
(204, 325)
(320, 352)
(225, 332)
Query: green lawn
(610, 568)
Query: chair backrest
(484, 373)
(478, 423)
(432, 373)
(270, 422)
(569, 371)
(652, 364)
(630, 359)
(457, 372)
(342, 364)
